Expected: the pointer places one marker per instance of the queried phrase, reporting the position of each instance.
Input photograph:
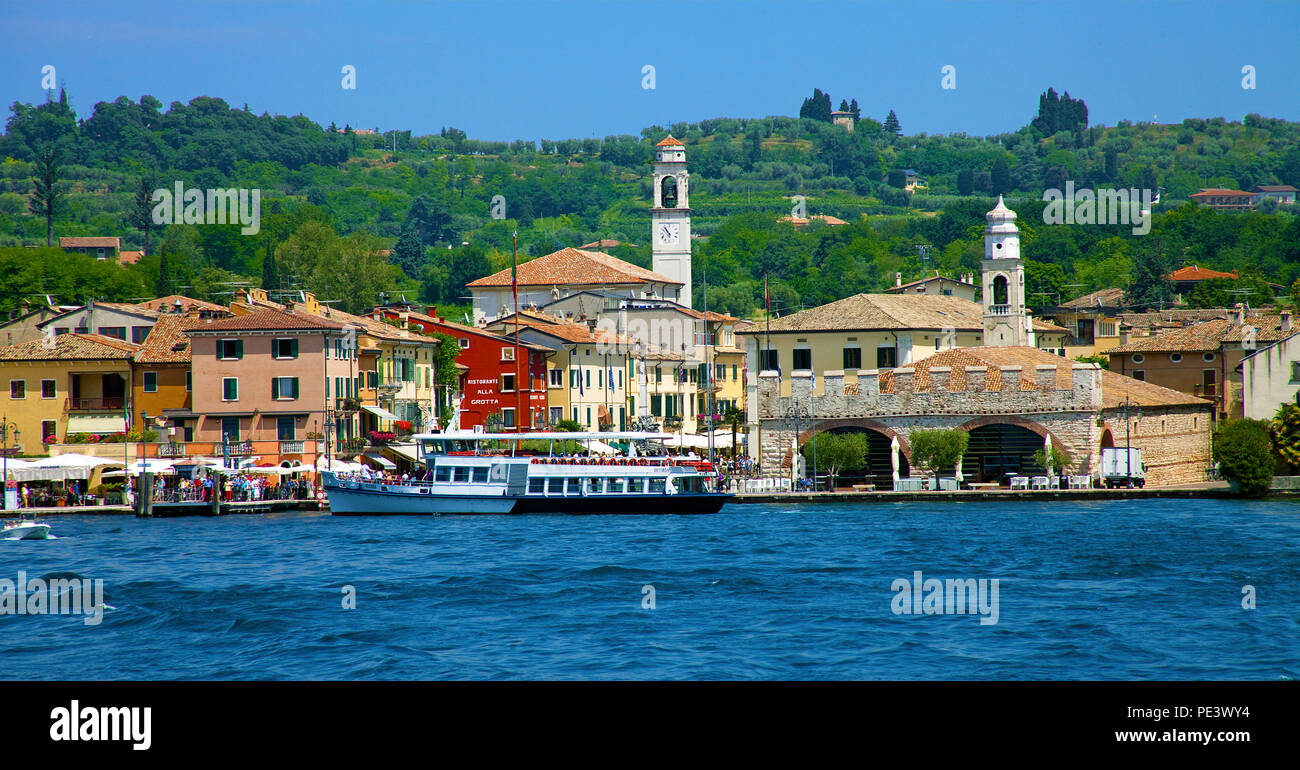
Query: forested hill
(349, 214)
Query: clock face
(669, 232)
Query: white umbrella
(959, 476)
(599, 447)
(1047, 453)
(893, 458)
(62, 467)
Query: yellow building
(70, 384)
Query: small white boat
(24, 530)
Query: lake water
(1145, 589)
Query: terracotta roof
(167, 304)
(1275, 188)
(569, 332)
(1218, 191)
(453, 327)
(129, 257)
(575, 267)
(1099, 298)
(605, 243)
(1169, 319)
(1047, 326)
(269, 319)
(669, 141)
(92, 242)
(1114, 387)
(70, 347)
(863, 312)
(931, 279)
(1194, 273)
(167, 343)
(823, 218)
(1206, 337)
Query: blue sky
(514, 70)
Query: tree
(141, 215)
(897, 178)
(1286, 438)
(1056, 461)
(1000, 177)
(856, 110)
(163, 287)
(1060, 114)
(965, 182)
(817, 107)
(1243, 451)
(45, 200)
(836, 452)
(1152, 265)
(408, 254)
(938, 449)
(892, 125)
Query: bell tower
(1006, 322)
(670, 217)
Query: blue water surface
(1142, 589)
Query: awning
(380, 460)
(403, 451)
(96, 423)
(379, 411)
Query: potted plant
(938, 449)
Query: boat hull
(26, 532)
(392, 500)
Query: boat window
(460, 473)
(442, 473)
(595, 486)
(658, 485)
(616, 486)
(574, 486)
(481, 475)
(536, 486)
(555, 486)
(434, 448)
(636, 486)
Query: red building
(489, 385)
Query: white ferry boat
(472, 472)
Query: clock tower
(1006, 320)
(670, 217)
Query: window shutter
(295, 385)
(275, 387)
(239, 348)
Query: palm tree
(733, 417)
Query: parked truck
(1122, 467)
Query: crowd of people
(239, 488)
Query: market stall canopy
(380, 460)
(408, 452)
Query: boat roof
(545, 436)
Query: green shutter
(295, 379)
(275, 388)
(239, 348)
(293, 348)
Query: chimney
(288, 306)
(898, 279)
(431, 311)
(1286, 320)
(1124, 331)
(25, 306)
(1237, 316)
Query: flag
(580, 390)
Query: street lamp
(799, 413)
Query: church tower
(1006, 322)
(670, 218)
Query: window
(1138, 358)
(557, 378)
(636, 486)
(18, 389)
(47, 389)
(1209, 381)
(1176, 358)
(507, 383)
(372, 379)
(853, 358)
(536, 486)
(284, 428)
(658, 485)
(508, 417)
(507, 354)
(557, 414)
(656, 405)
(767, 360)
(113, 331)
(464, 343)
(886, 358)
(230, 350)
(138, 333)
(189, 381)
(151, 382)
(1295, 371)
(595, 486)
(480, 475)
(586, 378)
(573, 486)
(442, 473)
(49, 428)
(284, 347)
(1140, 375)
(230, 428)
(460, 473)
(1207, 357)
(284, 388)
(616, 486)
(229, 388)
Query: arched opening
(668, 192)
(876, 467)
(1000, 290)
(1107, 440)
(1000, 450)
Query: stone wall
(1175, 442)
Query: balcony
(95, 404)
(389, 384)
(999, 310)
(291, 447)
(240, 448)
(171, 450)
